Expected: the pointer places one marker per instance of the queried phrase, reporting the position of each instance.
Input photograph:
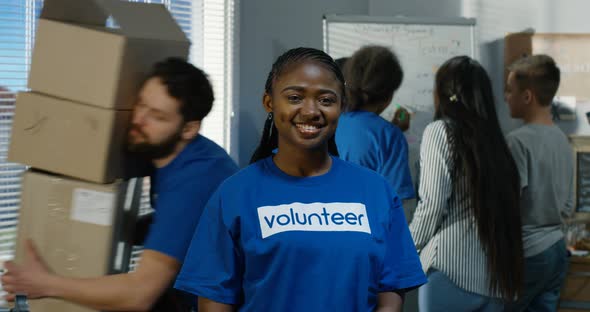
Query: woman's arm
(389, 301)
(206, 305)
(435, 187)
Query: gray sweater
(544, 159)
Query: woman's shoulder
(435, 130)
(244, 176)
(436, 126)
(356, 172)
(364, 118)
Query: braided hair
(270, 139)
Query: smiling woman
(301, 217)
(317, 102)
(306, 104)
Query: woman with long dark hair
(300, 229)
(467, 223)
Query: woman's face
(306, 101)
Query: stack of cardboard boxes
(72, 127)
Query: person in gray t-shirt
(545, 164)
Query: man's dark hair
(187, 84)
(540, 74)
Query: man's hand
(29, 278)
(134, 291)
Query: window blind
(17, 29)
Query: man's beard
(156, 151)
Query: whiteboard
(421, 44)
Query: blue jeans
(543, 277)
(441, 294)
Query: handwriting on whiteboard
(415, 31)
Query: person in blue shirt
(302, 230)
(189, 167)
(372, 75)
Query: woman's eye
(327, 101)
(294, 98)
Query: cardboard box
(570, 52)
(80, 229)
(576, 288)
(77, 58)
(68, 138)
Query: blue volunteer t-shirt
(268, 241)
(367, 139)
(181, 190)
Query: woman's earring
(269, 121)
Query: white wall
(496, 18)
(267, 29)
(430, 8)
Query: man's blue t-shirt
(367, 139)
(268, 241)
(181, 190)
